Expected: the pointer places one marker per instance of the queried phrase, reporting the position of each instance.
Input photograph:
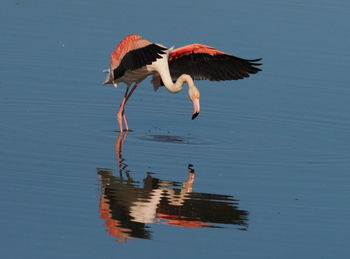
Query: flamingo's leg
(125, 122)
(126, 99)
(132, 90)
(121, 115)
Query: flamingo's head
(194, 95)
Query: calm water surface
(263, 172)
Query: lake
(262, 172)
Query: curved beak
(196, 108)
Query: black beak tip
(195, 115)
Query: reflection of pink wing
(181, 221)
(113, 226)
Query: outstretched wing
(202, 62)
(132, 53)
(138, 58)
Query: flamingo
(135, 58)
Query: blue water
(273, 148)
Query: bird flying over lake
(136, 58)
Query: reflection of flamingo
(135, 58)
(128, 206)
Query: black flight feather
(203, 66)
(138, 58)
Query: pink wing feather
(130, 42)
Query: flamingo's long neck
(178, 85)
(193, 92)
(162, 67)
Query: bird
(136, 58)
